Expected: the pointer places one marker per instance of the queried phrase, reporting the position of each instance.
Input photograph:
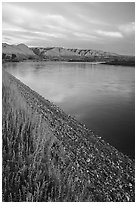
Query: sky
(102, 26)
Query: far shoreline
(132, 64)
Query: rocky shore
(107, 174)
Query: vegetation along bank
(49, 156)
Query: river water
(101, 96)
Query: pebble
(130, 184)
(76, 179)
(88, 160)
(120, 186)
(127, 197)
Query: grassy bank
(29, 173)
(49, 156)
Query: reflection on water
(101, 96)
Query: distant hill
(23, 52)
(83, 55)
(55, 53)
(71, 54)
(17, 52)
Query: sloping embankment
(82, 166)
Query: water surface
(101, 96)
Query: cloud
(93, 21)
(14, 14)
(109, 34)
(85, 36)
(30, 35)
(128, 28)
(82, 25)
(23, 19)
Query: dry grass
(33, 159)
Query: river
(101, 96)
